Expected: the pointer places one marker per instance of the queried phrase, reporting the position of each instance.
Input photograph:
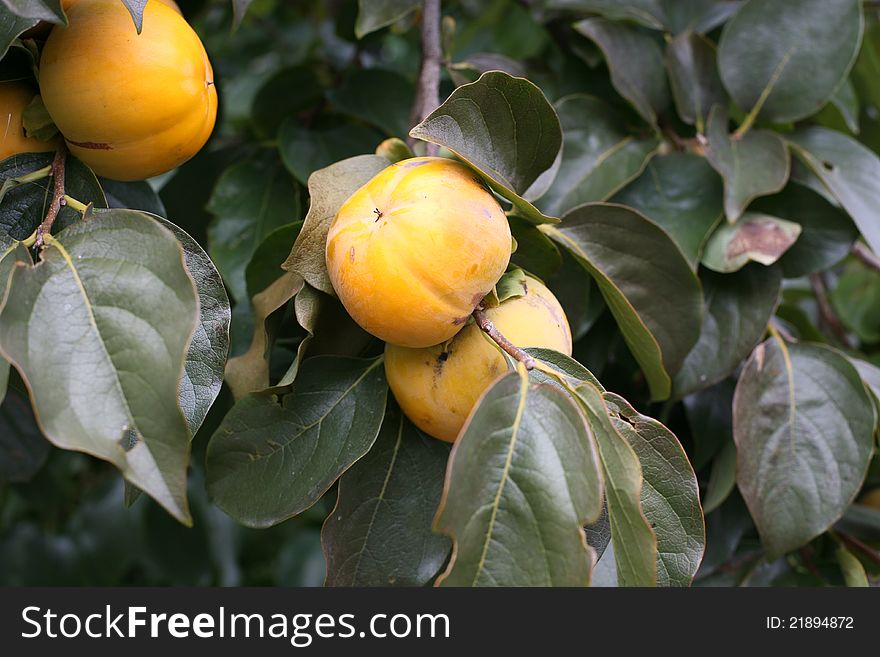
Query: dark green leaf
(803, 426)
(306, 151)
(535, 252)
(846, 103)
(270, 461)
(328, 189)
(852, 569)
(265, 265)
(36, 121)
(683, 195)
(849, 170)
(599, 156)
(566, 365)
(132, 195)
(112, 326)
(674, 15)
(381, 98)
(755, 165)
(709, 417)
(523, 480)
(379, 534)
(670, 495)
(136, 9)
(274, 102)
(23, 450)
(645, 280)
(722, 478)
(635, 62)
(46, 10)
(376, 14)
(10, 27)
(752, 237)
(693, 76)
(738, 308)
(827, 232)
(250, 200)
(503, 127)
(788, 60)
(239, 9)
(856, 299)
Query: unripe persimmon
(15, 96)
(437, 387)
(129, 105)
(411, 253)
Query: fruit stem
(79, 206)
(489, 328)
(57, 199)
(428, 88)
(867, 256)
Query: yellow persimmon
(129, 105)
(15, 96)
(412, 252)
(438, 386)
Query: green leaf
(635, 544)
(505, 128)
(471, 68)
(852, 569)
(206, 355)
(376, 14)
(846, 103)
(754, 165)
(23, 450)
(250, 200)
(381, 98)
(265, 266)
(599, 156)
(535, 252)
(522, 481)
(849, 170)
(644, 279)
(133, 196)
(673, 15)
(683, 195)
(100, 335)
(803, 426)
(866, 72)
(306, 151)
(710, 421)
(787, 61)
(274, 102)
(738, 308)
(752, 237)
(870, 374)
(670, 496)
(693, 76)
(722, 478)
(379, 533)
(4, 378)
(270, 461)
(566, 365)
(635, 62)
(239, 9)
(648, 13)
(11, 26)
(136, 9)
(249, 372)
(328, 189)
(36, 121)
(827, 233)
(856, 299)
(46, 10)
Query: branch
(428, 88)
(866, 255)
(488, 327)
(826, 312)
(57, 200)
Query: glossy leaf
(535, 252)
(250, 200)
(522, 481)
(635, 544)
(328, 189)
(379, 97)
(752, 237)
(849, 170)
(306, 151)
(379, 533)
(856, 300)
(645, 281)
(670, 495)
(693, 76)
(502, 126)
(269, 461)
(722, 478)
(599, 156)
(635, 62)
(113, 325)
(755, 165)
(273, 102)
(709, 417)
(789, 58)
(803, 426)
(673, 15)
(738, 309)
(376, 14)
(46, 10)
(11, 26)
(265, 267)
(23, 450)
(682, 194)
(132, 195)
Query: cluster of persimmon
(411, 255)
(130, 106)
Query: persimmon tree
(671, 376)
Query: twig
(57, 200)
(867, 550)
(866, 255)
(826, 312)
(492, 331)
(428, 88)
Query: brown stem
(490, 329)
(826, 312)
(866, 255)
(428, 88)
(57, 200)
(856, 544)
